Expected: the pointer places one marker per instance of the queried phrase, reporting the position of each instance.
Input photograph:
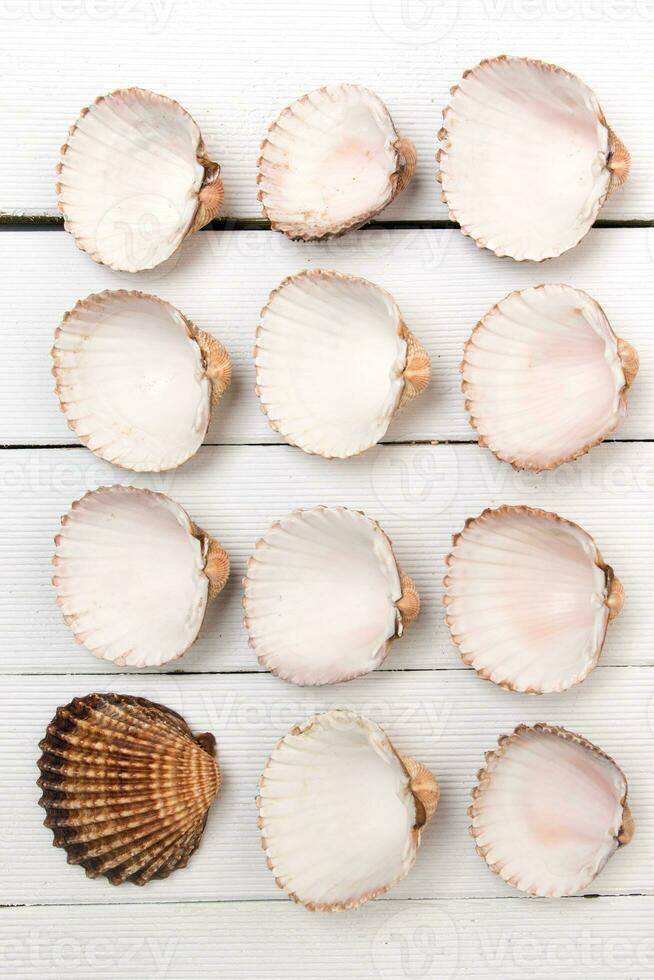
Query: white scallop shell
(341, 812)
(528, 599)
(334, 362)
(133, 575)
(549, 810)
(134, 179)
(324, 597)
(136, 379)
(331, 162)
(545, 377)
(527, 158)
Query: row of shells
(126, 785)
(127, 788)
(526, 161)
(528, 596)
(544, 375)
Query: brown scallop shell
(126, 786)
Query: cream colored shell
(545, 377)
(334, 362)
(134, 179)
(136, 379)
(528, 599)
(549, 810)
(340, 812)
(527, 157)
(133, 575)
(330, 162)
(324, 597)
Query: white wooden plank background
(442, 282)
(572, 939)
(234, 67)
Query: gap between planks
(284, 900)
(279, 445)
(43, 222)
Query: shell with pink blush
(549, 810)
(528, 599)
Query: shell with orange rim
(527, 158)
(341, 812)
(545, 377)
(528, 599)
(330, 162)
(134, 574)
(136, 379)
(549, 810)
(134, 179)
(334, 362)
(126, 786)
(324, 596)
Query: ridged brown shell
(126, 786)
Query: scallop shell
(527, 158)
(545, 377)
(126, 786)
(549, 810)
(135, 180)
(331, 161)
(341, 812)
(324, 596)
(334, 362)
(136, 379)
(133, 575)
(528, 599)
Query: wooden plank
(445, 719)
(605, 938)
(234, 73)
(420, 494)
(221, 280)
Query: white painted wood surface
(221, 280)
(512, 939)
(234, 67)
